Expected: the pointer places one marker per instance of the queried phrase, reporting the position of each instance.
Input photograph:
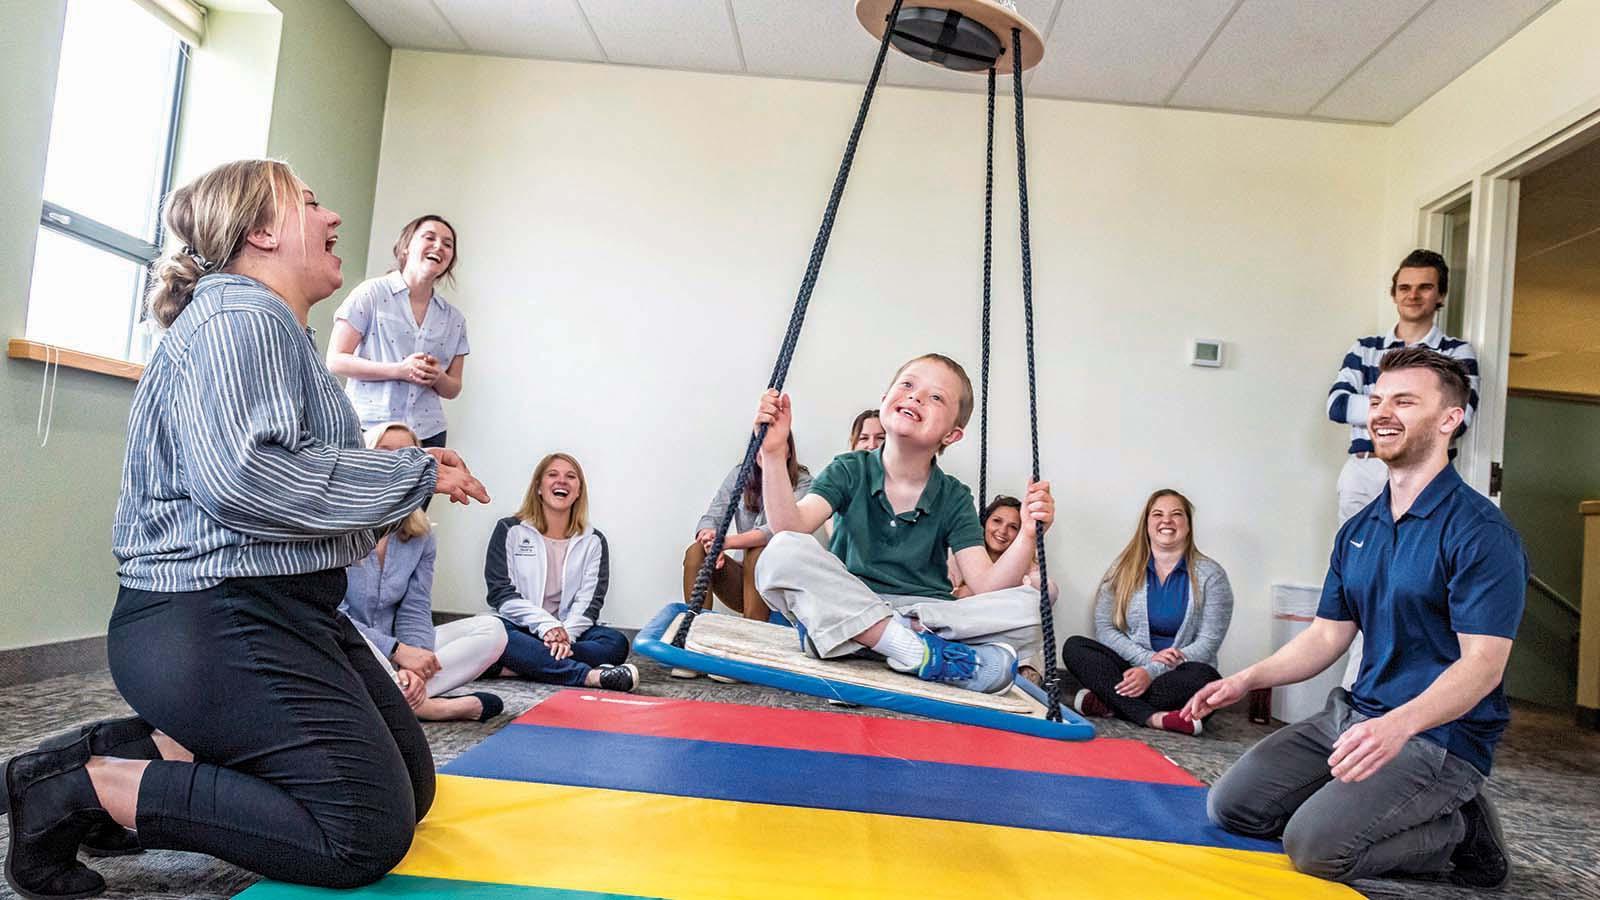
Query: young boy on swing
(884, 585)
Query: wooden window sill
(20, 348)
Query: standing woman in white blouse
(399, 344)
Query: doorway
(1551, 451)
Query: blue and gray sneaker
(987, 668)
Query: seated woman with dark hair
(1002, 522)
(866, 432)
(547, 571)
(734, 578)
(1161, 613)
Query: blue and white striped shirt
(1347, 399)
(245, 458)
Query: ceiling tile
(682, 34)
(818, 40)
(1130, 51)
(545, 29)
(408, 24)
(1282, 56)
(803, 40)
(1437, 46)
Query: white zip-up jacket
(514, 571)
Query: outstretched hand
(455, 479)
(1214, 696)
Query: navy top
(1451, 565)
(1166, 603)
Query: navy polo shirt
(1166, 603)
(1451, 565)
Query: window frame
(107, 239)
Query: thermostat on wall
(1207, 352)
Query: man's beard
(1411, 450)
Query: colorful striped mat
(591, 795)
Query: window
(112, 137)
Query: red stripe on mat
(828, 732)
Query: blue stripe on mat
(872, 784)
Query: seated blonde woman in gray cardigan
(1160, 615)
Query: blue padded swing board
(653, 642)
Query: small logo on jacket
(1358, 544)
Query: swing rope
(988, 243)
(1046, 614)
(797, 318)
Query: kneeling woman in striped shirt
(246, 491)
(547, 571)
(390, 600)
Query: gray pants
(1401, 820)
(798, 577)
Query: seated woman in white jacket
(389, 598)
(547, 572)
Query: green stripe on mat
(411, 887)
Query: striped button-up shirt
(1347, 399)
(244, 457)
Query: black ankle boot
(52, 805)
(1480, 859)
(124, 739)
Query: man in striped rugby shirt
(1418, 287)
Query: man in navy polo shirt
(1387, 779)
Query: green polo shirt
(896, 554)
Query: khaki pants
(809, 585)
(735, 582)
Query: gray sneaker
(986, 668)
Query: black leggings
(309, 766)
(1095, 666)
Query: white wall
(631, 241)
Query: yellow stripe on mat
(627, 842)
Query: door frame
(1495, 191)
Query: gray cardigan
(1198, 637)
(744, 518)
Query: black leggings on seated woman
(1098, 668)
(309, 766)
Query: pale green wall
(1550, 466)
(327, 114)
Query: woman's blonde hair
(532, 510)
(1127, 575)
(208, 219)
(416, 524)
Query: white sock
(900, 644)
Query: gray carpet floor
(1546, 783)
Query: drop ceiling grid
(681, 34)
(1441, 43)
(1282, 56)
(1128, 51)
(1354, 60)
(412, 24)
(545, 29)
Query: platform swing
(964, 36)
